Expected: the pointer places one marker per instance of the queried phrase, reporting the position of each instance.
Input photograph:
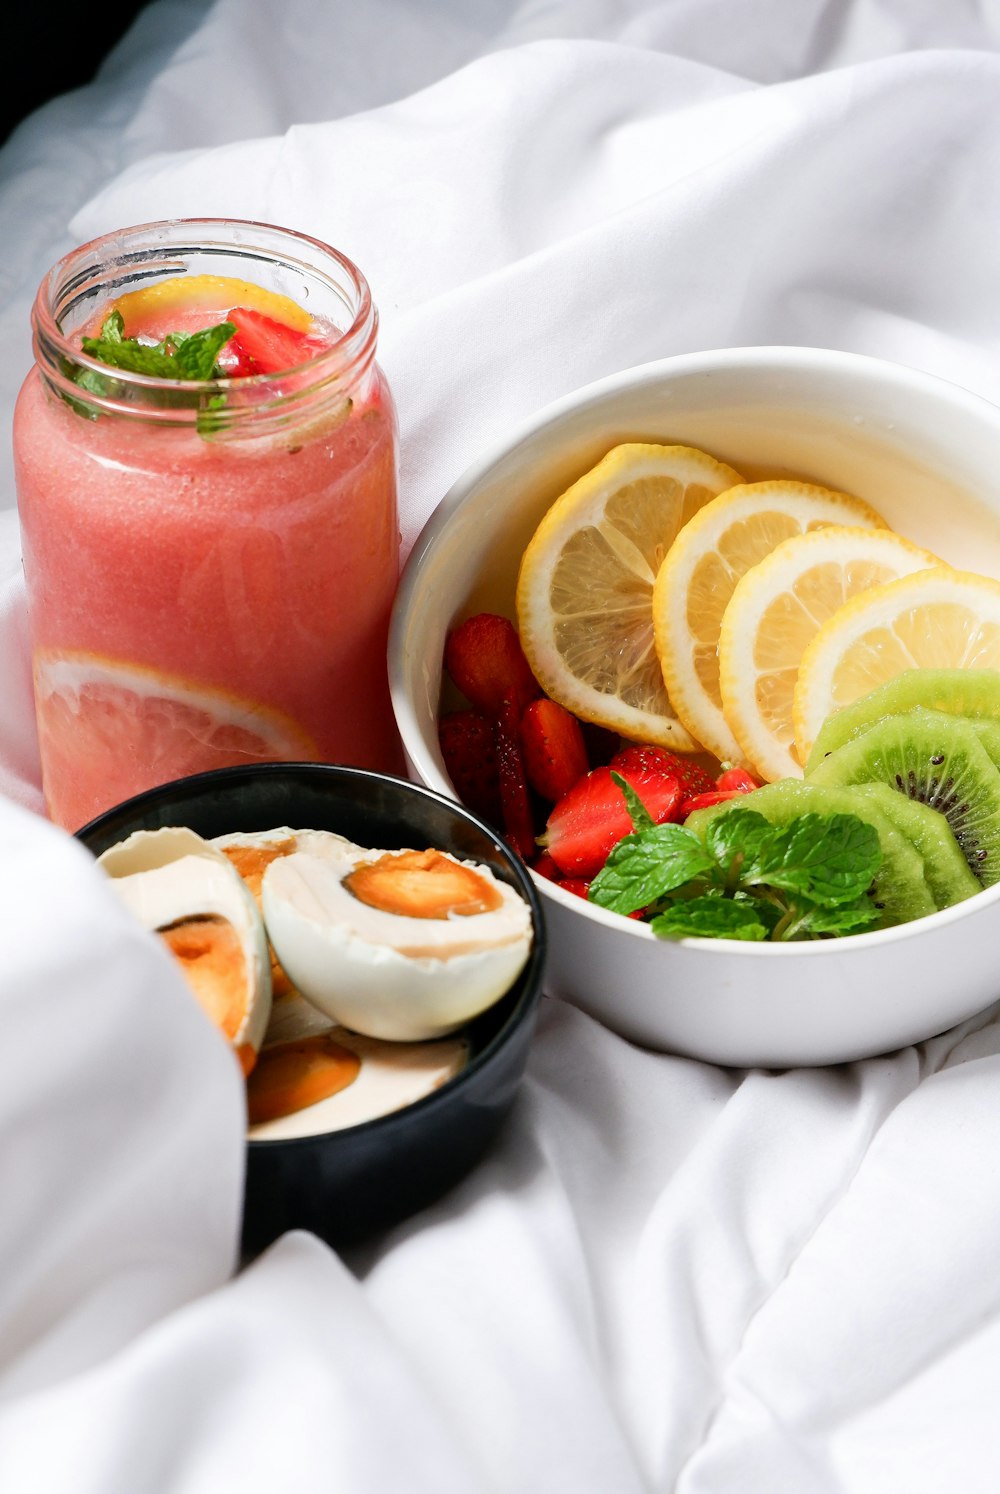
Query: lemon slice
(713, 551)
(937, 619)
(209, 292)
(776, 610)
(108, 729)
(586, 582)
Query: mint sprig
(748, 879)
(184, 357)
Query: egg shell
(144, 850)
(196, 885)
(384, 974)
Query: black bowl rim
(531, 975)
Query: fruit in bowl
(892, 451)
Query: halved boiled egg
(312, 1076)
(403, 945)
(190, 895)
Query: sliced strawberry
(692, 777)
(552, 745)
(518, 821)
(592, 818)
(483, 656)
(544, 866)
(581, 888)
(263, 345)
(234, 361)
(468, 746)
(574, 884)
(705, 801)
(738, 779)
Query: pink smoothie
(261, 567)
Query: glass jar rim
(346, 355)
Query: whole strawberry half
(484, 658)
(468, 746)
(592, 818)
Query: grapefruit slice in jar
(108, 729)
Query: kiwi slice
(960, 692)
(938, 760)
(900, 887)
(945, 868)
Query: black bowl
(347, 1185)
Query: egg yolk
(291, 1076)
(422, 884)
(212, 959)
(252, 862)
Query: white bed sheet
(666, 1276)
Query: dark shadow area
(58, 50)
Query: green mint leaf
(132, 356)
(638, 813)
(828, 858)
(740, 836)
(770, 911)
(209, 420)
(102, 386)
(113, 328)
(180, 355)
(849, 918)
(646, 866)
(711, 917)
(195, 355)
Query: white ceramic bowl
(926, 454)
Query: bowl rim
(532, 974)
(762, 358)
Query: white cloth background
(666, 1276)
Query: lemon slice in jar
(153, 309)
(585, 587)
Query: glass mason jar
(210, 562)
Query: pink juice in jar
(210, 565)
